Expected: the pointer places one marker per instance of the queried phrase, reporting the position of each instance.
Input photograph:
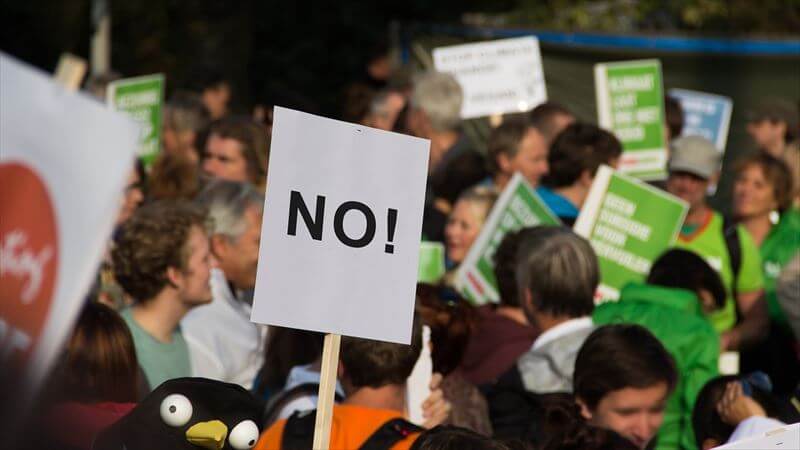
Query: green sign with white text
(629, 224)
(630, 103)
(518, 207)
(142, 98)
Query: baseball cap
(695, 155)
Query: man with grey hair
(224, 345)
(455, 165)
(557, 275)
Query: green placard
(630, 103)
(630, 224)
(518, 207)
(143, 99)
(431, 262)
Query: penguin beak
(210, 435)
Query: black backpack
(298, 433)
(731, 235)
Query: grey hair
(560, 271)
(440, 96)
(226, 202)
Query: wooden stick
(327, 391)
(70, 71)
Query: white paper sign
(64, 160)
(342, 228)
(784, 438)
(498, 77)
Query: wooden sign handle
(327, 391)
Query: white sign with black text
(497, 77)
(342, 226)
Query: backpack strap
(298, 433)
(389, 434)
(278, 402)
(730, 231)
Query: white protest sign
(342, 228)
(497, 77)
(60, 190)
(783, 438)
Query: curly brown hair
(152, 240)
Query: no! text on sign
(342, 226)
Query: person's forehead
(219, 144)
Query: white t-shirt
(223, 344)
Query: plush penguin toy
(188, 414)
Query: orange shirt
(351, 426)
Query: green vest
(675, 317)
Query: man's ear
(709, 443)
(219, 245)
(585, 412)
(503, 163)
(174, 276)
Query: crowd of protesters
(545, 368)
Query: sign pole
(327, 391)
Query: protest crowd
(547, 366)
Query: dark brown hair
(374, 364)
(151, 241)
(776, 173)
(620, 356)
(448, 437)
(580, 147)
(451, 325)
(673, 115)
(99, 364)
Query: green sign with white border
(142, 98)
(517, 207)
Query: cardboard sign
(705, 115)
(143, 99)
(431, 262)
(60, 192)
(517, 207)
(498, 77)
(630, 103)
(342, 225)
(783, 438)
(630, 224)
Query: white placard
(784, 438)
(64, 160)
(498, 77)
(330, 259)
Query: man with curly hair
(162, 260)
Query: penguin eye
(176, 410)
(244, 435)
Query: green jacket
(674, 316)
(780, 246)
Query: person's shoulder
(271, 438)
